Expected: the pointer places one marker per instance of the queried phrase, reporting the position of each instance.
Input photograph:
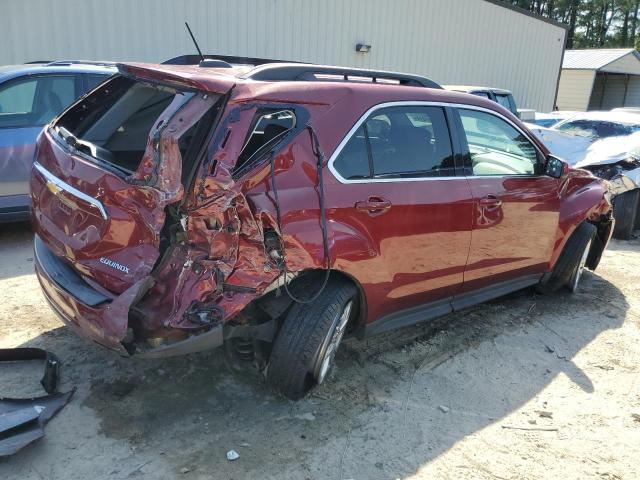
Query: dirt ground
(523, 387)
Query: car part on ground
(175, 204)
(22, 420)
(51, 374)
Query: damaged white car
(608, 145)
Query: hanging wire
(315, 147)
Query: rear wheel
(625, 212)
(571, 263)
(305, 348)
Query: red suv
(274, 209)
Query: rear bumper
(93, 315)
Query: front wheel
(305, 348)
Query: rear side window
(399, 142)
(55, 93)
(268, 128)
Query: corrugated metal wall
(614, 91)
(575, 89)
(452, 41)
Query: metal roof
(594, 59)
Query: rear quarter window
(267, 129)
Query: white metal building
(599, 79)
(473, 42)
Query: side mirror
(555, 167)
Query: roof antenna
(194, 41)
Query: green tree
(591, 23)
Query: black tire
(625, 211)
(569, 259)
(303, 334)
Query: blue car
(30, 96)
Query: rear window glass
(411, 141)
(115, 121)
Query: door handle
(373, 205)
(490, 201)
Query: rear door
(26, 104)
(398, 185)
(516, 209)
(106, 171)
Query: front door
(516, 209)
(396, 186)
(26, 104)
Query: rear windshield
(113, 123)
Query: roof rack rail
(98, 63)
(231, 59)
(308, 72)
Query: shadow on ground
(379, 416)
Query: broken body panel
(181, 256)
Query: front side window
(34, 101)
(496, 147)
(399, 142)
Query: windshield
(504, 101)
(597, 129)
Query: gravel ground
(522, 387)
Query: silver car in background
(608, 145)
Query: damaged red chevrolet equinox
(275, 209)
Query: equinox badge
(116, 265)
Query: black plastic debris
(22, 420)
(51, 364)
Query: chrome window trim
(418, 103)
(54, 181)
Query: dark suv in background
(30, 96)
